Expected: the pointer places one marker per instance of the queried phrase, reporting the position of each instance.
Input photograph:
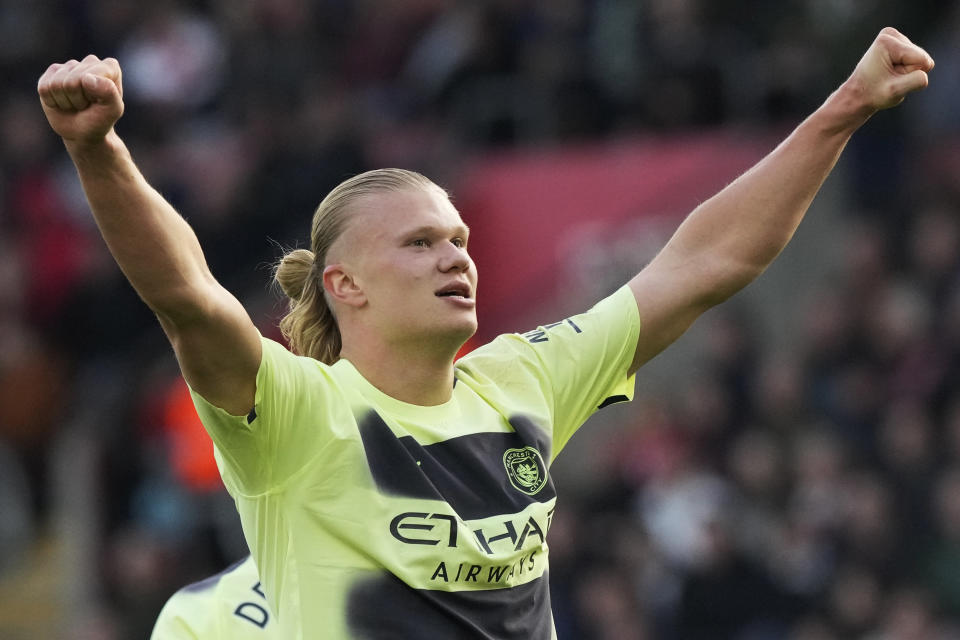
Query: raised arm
(730, 239)
(216, 343)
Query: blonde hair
(310, 325)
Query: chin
(464, 332)
(458, 333)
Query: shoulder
(289, 373)
(277, 355)
(617, 311)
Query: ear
(342, 286)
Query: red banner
(535, 216)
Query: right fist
(890, 69)
(82, 100)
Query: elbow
(723, 281)
(183, 304)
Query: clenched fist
(82, 100)
(890, 69)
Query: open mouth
(458, 290)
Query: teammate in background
(385, 490)
(227, 606)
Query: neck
(414, 375)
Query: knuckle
(58, 87)
(65, 69)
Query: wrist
(846, 110)
(97, 150)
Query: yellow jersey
(372, 518)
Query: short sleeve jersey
(372, 518)
(228, 606)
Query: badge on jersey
(526, 469)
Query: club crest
(526, 469)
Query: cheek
(401, 279)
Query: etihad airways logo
(433, 529)
(521, 533)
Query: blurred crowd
(807, 492)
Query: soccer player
(386, 490)
(228, 606)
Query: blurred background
(790, 469)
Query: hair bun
(293, 270)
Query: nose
(455, 258)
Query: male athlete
(387, 490)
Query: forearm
(731, 238)
(153, 245)
(216, 343)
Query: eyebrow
(462, 229)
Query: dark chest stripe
(467, 472)
(384, 608)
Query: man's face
(407, 251)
